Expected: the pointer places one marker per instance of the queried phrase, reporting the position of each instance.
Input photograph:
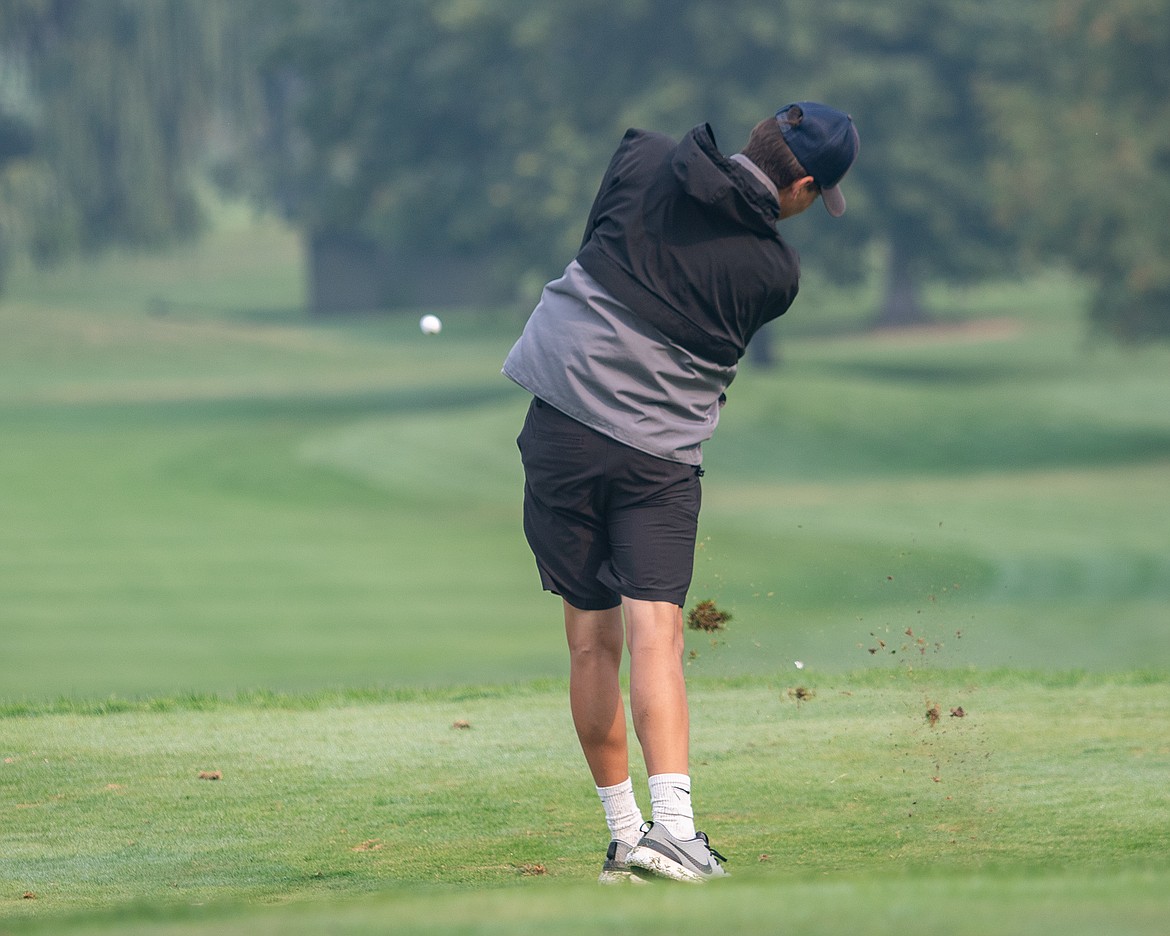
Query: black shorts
(605, 520)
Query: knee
(658, 636)
(594, 650)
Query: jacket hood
(714, 180)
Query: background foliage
(995, 134)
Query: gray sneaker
(616, 870)
(660, 853)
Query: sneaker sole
(619, 877)
(647, 859)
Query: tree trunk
(901, 306)
(762, 350)
(350, 272)
(347, 273)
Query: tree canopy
(109, 104)
(993, 133)
(1088, 155)
(483, 124)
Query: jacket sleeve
(612, 177)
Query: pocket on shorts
(548, 426)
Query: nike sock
(622, 814)
(670, 804)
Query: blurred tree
(119, 96)
(17, 114)
(416, 132)
(457, 143)
(482, 126)
(392, 141)
(477, 130)
(1088, 150)
(912, 74)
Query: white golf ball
(430, 324)
(798, 664)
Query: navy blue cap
(825, 142)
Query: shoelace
(710, 849)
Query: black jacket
(687, 240)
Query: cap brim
(834, 201)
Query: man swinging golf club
(627, 357)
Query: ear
(797, 188)
(797, 196)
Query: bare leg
(595, 697)
(658, 692)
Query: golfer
(627, 357)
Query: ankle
(670, 804)
(622, 815)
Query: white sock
(622, 814)
(670, 804)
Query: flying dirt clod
(705, 616)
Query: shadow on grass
(258, 406)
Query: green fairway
(470, 807)
(236, 540)
(201, 490)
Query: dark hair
(767, 149)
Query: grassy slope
(850, 800)
(174, 517)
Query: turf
(1043, 783)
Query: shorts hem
(665, 599)
(605, 604)
(586, 604)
